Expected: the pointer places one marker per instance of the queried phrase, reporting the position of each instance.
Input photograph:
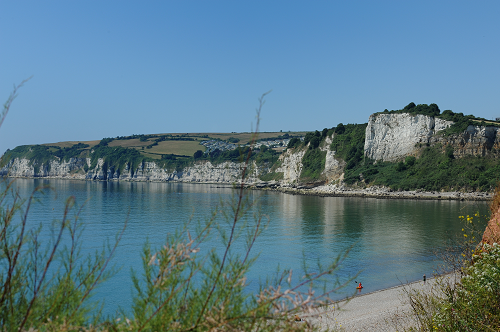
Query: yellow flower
(465, 235)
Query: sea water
(390, 241)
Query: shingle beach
(375, 311)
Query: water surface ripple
(392, 241)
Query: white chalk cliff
(390, 137)
(226, 172)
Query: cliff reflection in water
(392, 240)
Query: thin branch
(237, 211)
(13, 262)
(69, 204)
(11, 98)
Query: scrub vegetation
(48, 286)
(469, 301)
(435, 169)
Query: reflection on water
(392, 240)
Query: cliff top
(179, 144)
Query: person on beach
(424, 278)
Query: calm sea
(392, 241)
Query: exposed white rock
(291, 165)
(227, 172)
(390, 137)
(475, 140)
(73, 168)
(333, 167)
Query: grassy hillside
(177, 144)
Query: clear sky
(114, 68)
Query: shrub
(30, 295)
(293, 143)
(314, 143)
(400, 167)
(340, 129)
(410, 161)
(313, 164)
(198, 154)
(467, 299)
(474, 305)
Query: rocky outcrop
(492, 233)
(390, 137)
(291, 165)
(334, 168)
(476, 141)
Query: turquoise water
(392, 241)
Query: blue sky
(113, 68)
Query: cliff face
(291, 164)
(227, 172)
(73, 168)
(390, 137)
(476, 141)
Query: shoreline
(372, 192)
(414, 194)
(322, 190)
(382, 310)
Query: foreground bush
(468, 299)
(475, 303)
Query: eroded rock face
(334, 168)
(227, 172)
(390, 137)
(492, 233)
(291, 166)
(73, 168)
(476, 141)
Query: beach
(384, 310)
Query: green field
(180, 148)
(176, 147)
